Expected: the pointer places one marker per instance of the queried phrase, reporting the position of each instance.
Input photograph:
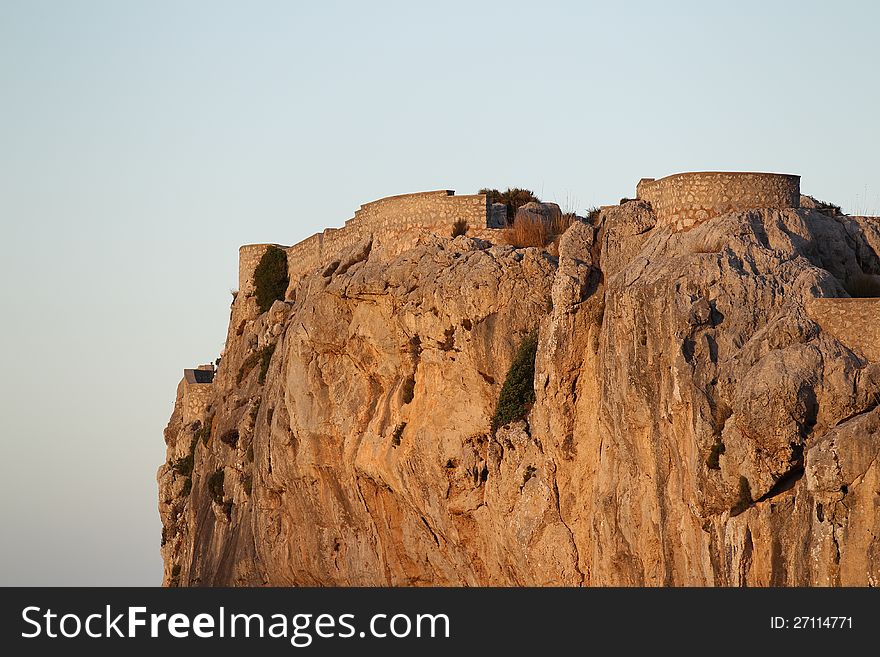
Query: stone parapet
(683, 200)
(384, 220)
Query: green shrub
(513, 198)
(184, 465)
(518, 392)
(460, 227)
(271, 278)
(215, 485)
(829, 209)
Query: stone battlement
(393, 220)
(679, 201)
(683, 200)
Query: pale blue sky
(142, 142)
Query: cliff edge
(699, 417)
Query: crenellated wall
(854, 322)
(683, 200)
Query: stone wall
(196, 396)
(682, 200)
(387, 220)
(248, 258)
(432, 211)
(854, 322)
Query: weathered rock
(497, 216)
(693, 424)
(534, 211)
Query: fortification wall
(683, 200)
(196, 397)
(388, 220)
(854, 322)
(248, 258)
(431, 211)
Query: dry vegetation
(536, 232)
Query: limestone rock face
(692, 425)
(534, 211)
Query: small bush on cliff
(184, 465)
(215, 485)
(514, 198)
(460, 227)
(829, 209)
(271, 278)
(518, 392)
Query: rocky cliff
(693, 424)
